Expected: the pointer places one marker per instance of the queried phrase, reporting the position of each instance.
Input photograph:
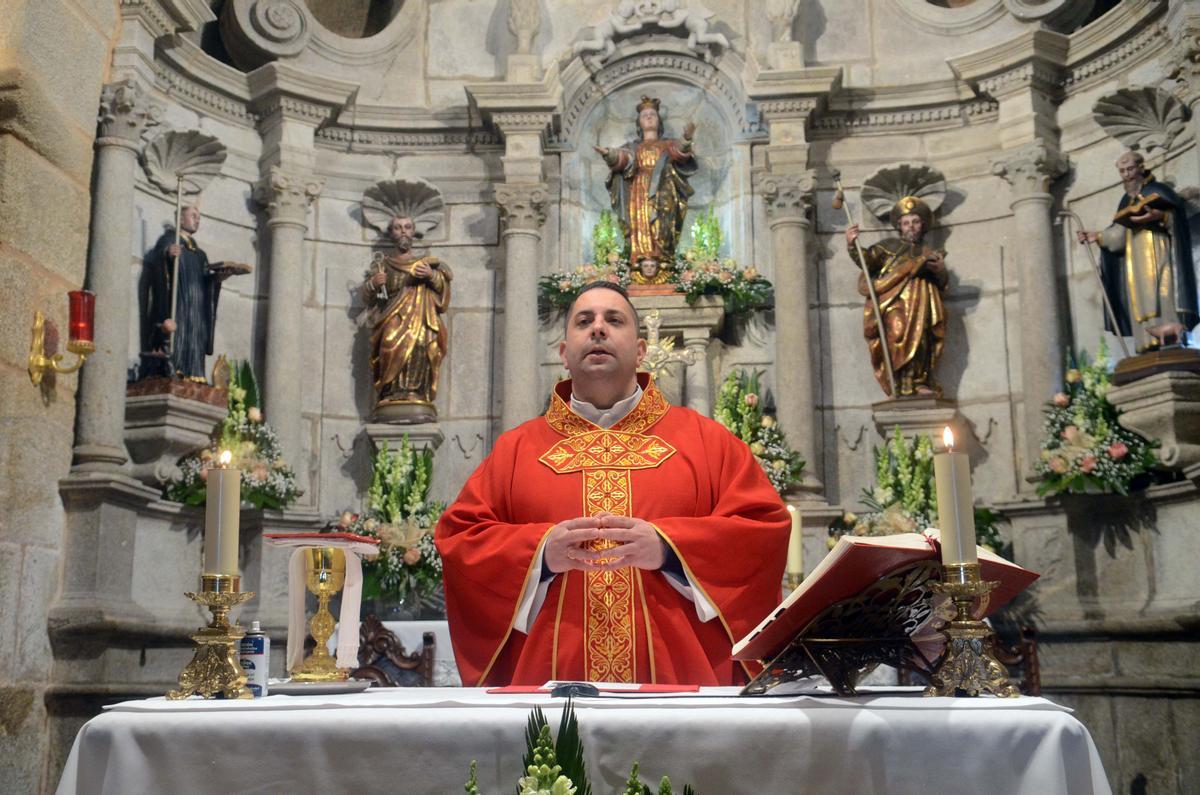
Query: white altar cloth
(421, 740)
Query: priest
(618, 538)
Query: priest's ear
(641, 349)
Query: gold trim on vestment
(605, 458)
(641, 587)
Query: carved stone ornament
(888, 185)
(258, 31)
(787, 194)
(125, 113)
(631, 17)
(1030, 168)
(1060, 15)
(524, 21)
(184, 161)
(407, 198)
(522, 206)
(1144, 119)
(287, 196)
(782, 15)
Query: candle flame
(948, 438)
(226, 457)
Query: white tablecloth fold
(422, 741)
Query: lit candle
(956, 513)
(795, 555)
(222, 502)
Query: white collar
(606, 418)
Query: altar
(423, 740)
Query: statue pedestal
(915, 415)
(424, 436)
(1166, 407)
(165, 419)
(1184, 360)
(405, 413)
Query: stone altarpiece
(500, 114)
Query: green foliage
(556, 767)
(608, 241)
(707, 235)
(1085, 448)
(267, 481)
(904, 498)
(739, 408)
(400, 514)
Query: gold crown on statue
(648, 102)
(911, 205)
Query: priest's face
(602, 341)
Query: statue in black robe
(195, 315)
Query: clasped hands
(639, 544)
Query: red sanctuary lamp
(81, 328)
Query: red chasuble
(684, 473)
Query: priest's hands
(640, 545)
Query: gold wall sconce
(81, 342)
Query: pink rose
(726, 277)
(412, 556)
(1070, 434)
(204, 475)
(260, 473)
(1117, 451)
(751, 399)
(750, 273)
(686, 278)
(564, 284)
(1087, 464)
(1059, 464)
(1062, 400)
(253, 414)
(346, 520)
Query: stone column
(125, 112)
(286, 197)
(1029, 170)
(788, 197)
(523, 209)
(697, 378)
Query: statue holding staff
(1146, 264)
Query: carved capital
(287, 196)
(509, 122)
(1184, 60)
(125, 113)
(1030, 168)
(523, 206)
(787, 194)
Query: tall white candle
(956, 511)
(223, 496)
(795, 555)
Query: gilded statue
(408, 296)
(649, 190)
(1146, 260)
(909, 278)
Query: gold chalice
(325, 574)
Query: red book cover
(855, 564)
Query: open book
(853, 567)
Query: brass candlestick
(324, 574)
(215, 670)
(968, 664)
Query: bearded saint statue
(649, 190)
(909, 278)
(408, 295)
